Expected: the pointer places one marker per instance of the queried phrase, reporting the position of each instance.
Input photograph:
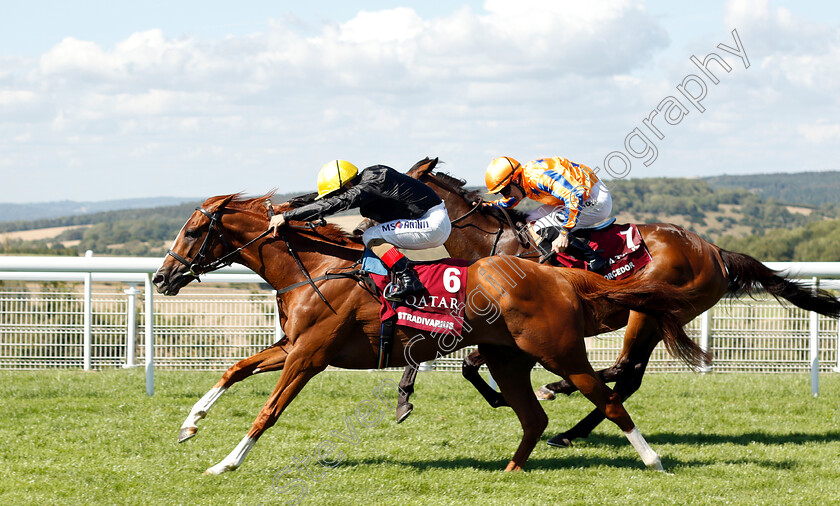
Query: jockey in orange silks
(574, 199)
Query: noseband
(476, 205)
(195, 267)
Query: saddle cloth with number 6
(440, 307)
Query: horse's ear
(213, 204)
(422, 167)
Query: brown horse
(540, 312)
(680, 258)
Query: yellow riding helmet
(334, 175)
(500, 172)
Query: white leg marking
(236, 457)
(649, 457)
(200, 409)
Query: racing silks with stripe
(557, 182)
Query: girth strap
(386, 342)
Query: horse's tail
(747, 275)
(658, 299)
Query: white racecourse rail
(67, 324)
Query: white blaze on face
(179, 234)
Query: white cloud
(527, 77)
(398, 24)
(820, 132)
(17, 97)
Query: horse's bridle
(195, 267)
(476, 206)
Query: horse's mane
(330, 231)
(473, 195)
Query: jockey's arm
(570, 201)
(505, 203)
(350, 198)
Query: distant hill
(781, 217)
(810, 189)
(37, 211)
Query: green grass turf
(95, 438)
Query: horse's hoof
(657, 466)
(186, 433)
(403, 410)
(544, 394)
(219, 469)
(559, 441)
(513, 467)
(499, 402)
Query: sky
(104, 100)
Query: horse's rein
(220, 262)
(476, 206)
(294, 255)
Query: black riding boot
(581, 249)
(406, 281)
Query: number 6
(451, 281)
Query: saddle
(621, 245)
(439, 308)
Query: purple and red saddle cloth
(439, 307)
(620, 245)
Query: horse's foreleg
(469, 369)
(512, 372)
(294, 378)
(548, 391)
(269, 359)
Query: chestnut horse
(540, 312)
(679, 257)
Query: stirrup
(399, 289)
(598, 264)
(389, 291)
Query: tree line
(775, 233)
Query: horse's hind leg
(548, 391)
(469, 369)
(512, 372)
(269, 359)
(574, 366)
(641, 329)
(635, 362)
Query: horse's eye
(191, 233)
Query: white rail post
(131, 325)
(706, 336)
(837, 347)
(815, 345)
(150, 337)
(88, 317)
